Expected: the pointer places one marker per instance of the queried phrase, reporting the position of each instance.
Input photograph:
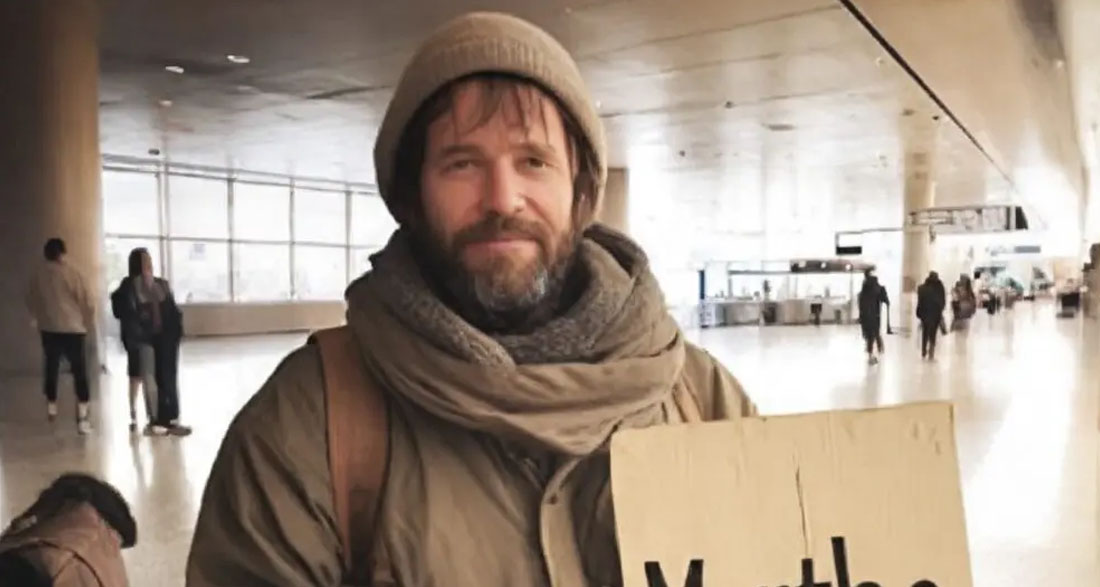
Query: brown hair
(525, 95)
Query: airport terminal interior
(766, 155)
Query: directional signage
(963, 219)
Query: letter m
(656, 578)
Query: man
(63, 310)
(510, 335)
(931, 302)
(872, 296)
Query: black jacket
(136, 319)
(931, 300)
(871, 298)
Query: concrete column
(615, 208)
(49, 155)
(919, 193)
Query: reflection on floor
(1024, 383)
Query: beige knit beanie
(484, 42)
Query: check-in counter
(741, 312)
(837, 311)
(794, 312)
(710, 314)
(744, 312)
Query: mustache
(496, 226)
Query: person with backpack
(151, 327)
(456, 432)
(63, 310)
(931, 302)
(71, 536)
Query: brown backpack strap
(358, 448)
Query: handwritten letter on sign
(835, 499)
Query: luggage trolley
(1068, 304)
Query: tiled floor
(1025, 386)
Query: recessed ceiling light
(779, 127)
(238, 59)
(173, 69)
(165, 103)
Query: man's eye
(534, 163)
(459, 165)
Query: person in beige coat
(510, 334)
(63, 310)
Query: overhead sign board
(964, 219)
(836, 499)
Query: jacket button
(552, 500)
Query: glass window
(319, 217)
(371, 223)
(261, 273)
(198, 208)
(116, 263)
(320, 273)
(130, 203)
(261, 212)
(200, 271)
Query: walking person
(871, 297)
(63, 310)
(963, 303)
(931, 302)
(151, 327)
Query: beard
(503, 293)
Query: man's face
(498, 195)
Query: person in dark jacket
(931, 302)
(137, 339)
(963, 303)
(871, 298)
(152, 327)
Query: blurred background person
(152, 328)
(931, 301)
(871, 298)
(963, 303)
(63, 311)
(135, 329)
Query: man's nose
(504, 190)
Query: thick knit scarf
(609, 361)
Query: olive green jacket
(490, 517)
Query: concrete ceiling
(703, 94)
(1080, 21)
(999, 67)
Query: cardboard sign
(835, 499)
